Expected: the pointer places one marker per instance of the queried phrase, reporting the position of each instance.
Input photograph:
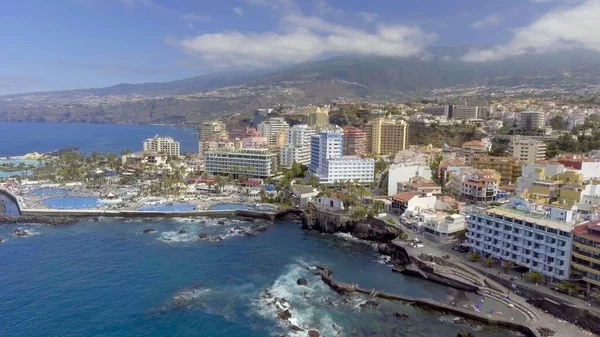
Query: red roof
(405, 196)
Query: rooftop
(539, 219)
(405, 196)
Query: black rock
(221, 222)
(546, 332)
(203, 236)
(313, 333)
(369, 304)
(302, 282)
(284, 315)
(20, 232)
(1, 240)
(148, 231)
(181, 231)
(400, 315)
(295, 328)
(465, 333)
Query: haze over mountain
(350, 76)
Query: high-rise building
(525, 234)
(319, 117)
(165, 145)
(465, 112)
(298, 144)
(527, 150)
(585, 258)
(330, 165)
(438, 110)
(259, 116)
(254, 163)
(213, 130)
(477, 186)
(271, 128)
(355, 141)
(532, 120)
(386, 136)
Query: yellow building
(585, 256)
(386, 136)
(508, 167)
(565, 188)
(318, 117)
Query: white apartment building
(525, 234)
(297, 148)
(329, 165)
(166, 145)
(254, 163)
(270, 128)
(445, 228)
(532, 120)
(403, 172)
(527, 150)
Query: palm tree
(488, 262)
(569, 287)
(474, 256)
(535, 277)
(507, 267)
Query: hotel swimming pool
(242, 207)
(72, 202)
(176, 207)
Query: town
(514, 192)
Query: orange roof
(405, 196)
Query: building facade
(438, 110)
(165, 145)
(527, 150)
(404, 172)
(532, 120)
(585, 257)
(477, 186)
(521, 233)
(355, 141)
(510, 168)
(330, 165)
(465, 112)
(254, 163)
(412, 201)
(297, 148)
(273, 129)
(386, 136)
(213, 130)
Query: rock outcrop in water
(148, 231)
(302, 282)
(37, 219)
(465, 333)
(20, 232)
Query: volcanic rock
(465, 333)
(369, 304)
(182, 231)
(313, 333)
(20, 232)
(546, 332)
(148, 231)
(302, 282)
(400, 315)
(284, 315)
(203, 236)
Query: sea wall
(345, 289)
(12, 197)
(579, 316)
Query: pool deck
(133, 213)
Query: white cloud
(238, 11)
(306, 38)
(324, 9)
(561, 29)
(366, 16)
(491, 20)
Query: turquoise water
(231, 206)
(108, 279)
(167, 208)
(72, 202)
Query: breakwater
(345, 289)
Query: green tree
(535, 277)
(474, 256)
(434, 166)
(566, 143)
(569, 287)
(488, 262)
(558, 123)
(507, 267)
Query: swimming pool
(177, 207)
(72, 202)
(231, 207)
(51, 191)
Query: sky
(74, 44)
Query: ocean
(20, 138)
(107, 278)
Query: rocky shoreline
(38, 219)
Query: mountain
(372, 77)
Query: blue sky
(68, 44)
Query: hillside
(192, 99)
